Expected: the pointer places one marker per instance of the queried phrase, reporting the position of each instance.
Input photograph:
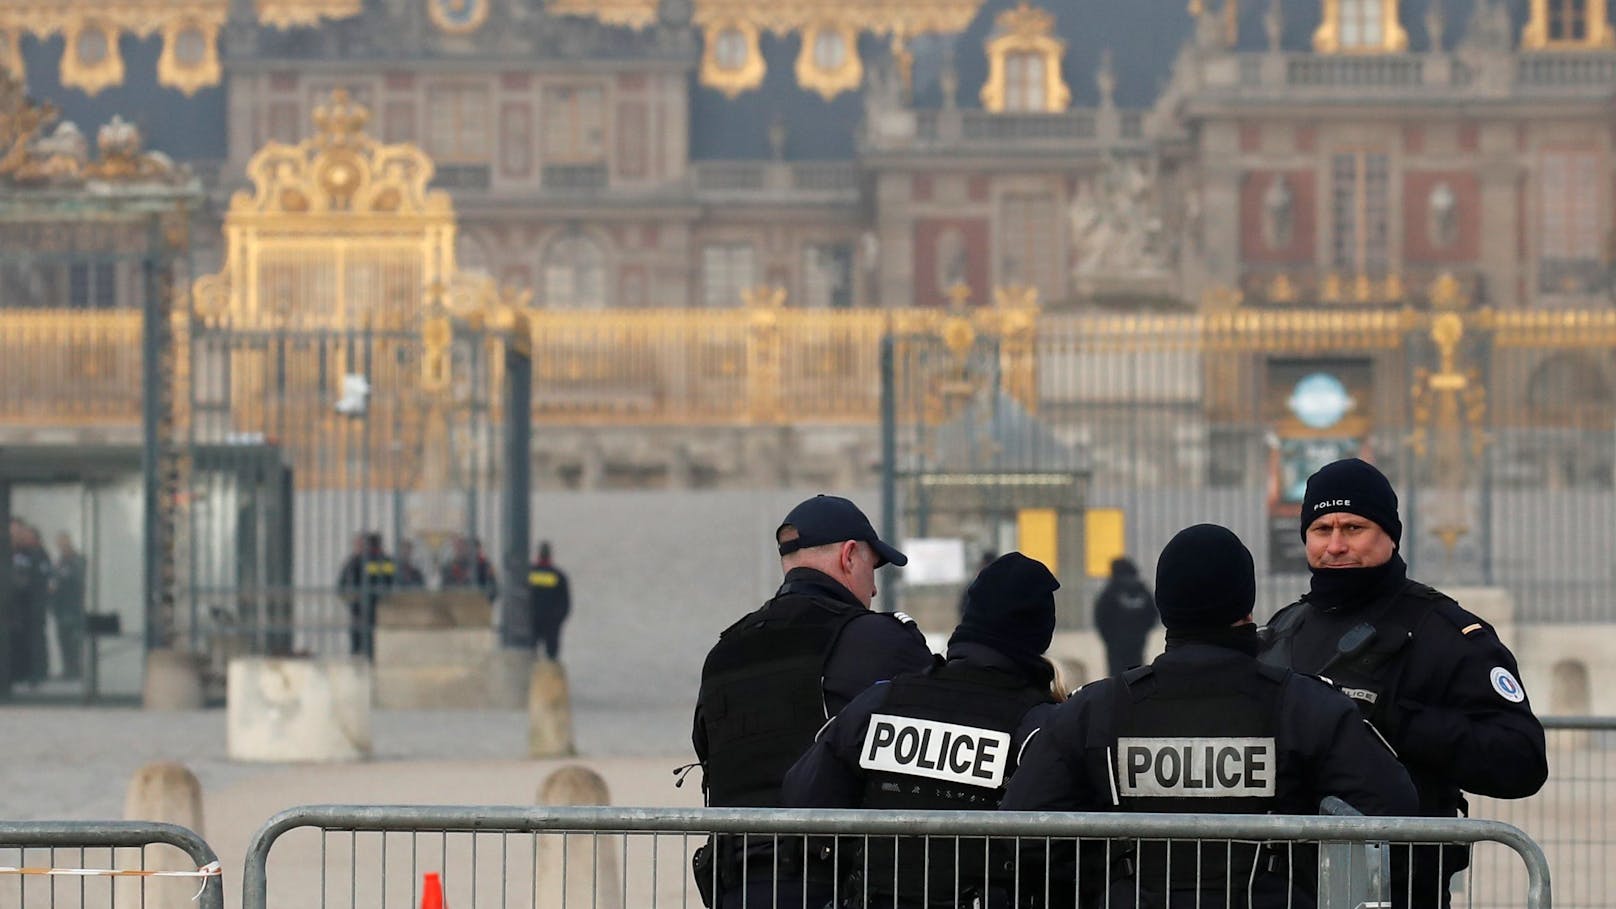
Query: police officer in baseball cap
(1433, 678)
(776, 676)
(1267, 741)
(943, 739)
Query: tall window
(1568, 20)
(574, 124)
(1028, 253)
(1360, 213)
(827, 276)
(1363, 24)
(458, 124)
(1024, 83)
(575, 274)
(726, 270)
(516, 140)
(1568, 212)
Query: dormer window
(730, 59)
(829, 62)
(1566, 24)
(1024, 82)
(1360, 26)
(1024, 64)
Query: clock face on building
(458, 17)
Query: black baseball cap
(832, 519)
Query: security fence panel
(89, 864)
(607, 858)
(1569, 819)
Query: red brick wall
(974, 246)
(1304, 217)
(1417, 245)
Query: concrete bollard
(298, 709)
(173, 681)
(166, 792)
(510, 673)
(578, 869)
(549, 711)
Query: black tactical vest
(1371, 675)
(973, 713)
(761, 700)
(1198, 741)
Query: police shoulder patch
(1505, 683)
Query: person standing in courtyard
(67, 605)
(550, 601)
(1124, 614)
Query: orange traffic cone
(431, 891)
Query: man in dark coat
(1124, 614)
(550, 600)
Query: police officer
(366, 577)
(1433, 678)
(549, 601)
(1206, 729)
(776, 676)
(945, 738)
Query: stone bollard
(549, 711)
(510, 674)
(173, 681)
(289, 709)
(581, 866)
(166, 792)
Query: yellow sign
(1038, 536)
(1105, 539)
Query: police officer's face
(1342, 540)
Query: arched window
(1024, 64)
(1024, 82)
(574, 274)
(1357, 26)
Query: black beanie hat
(1205, 579)
(1011, 608)
(1356, 487)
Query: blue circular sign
(1319, 400)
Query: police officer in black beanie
(946, 738)
(1434, 679)
(1268, 741)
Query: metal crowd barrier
(1570, 820)
(609, 858)
(106, 864)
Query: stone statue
(1116, 229)
(1442, 216)
(1278, 216)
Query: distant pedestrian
(366, 577)
(67, 605)
(1124, 614)
(409, 574)
(550, 600)
(468, 567)
(30, 578)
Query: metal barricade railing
(1569, 818)
(608, 858)
(83, 864)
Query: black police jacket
(944, 739)
(1435, 680)
(779, 673)
(1264, 741)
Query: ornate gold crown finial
(341, 119)
(1026, 21)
